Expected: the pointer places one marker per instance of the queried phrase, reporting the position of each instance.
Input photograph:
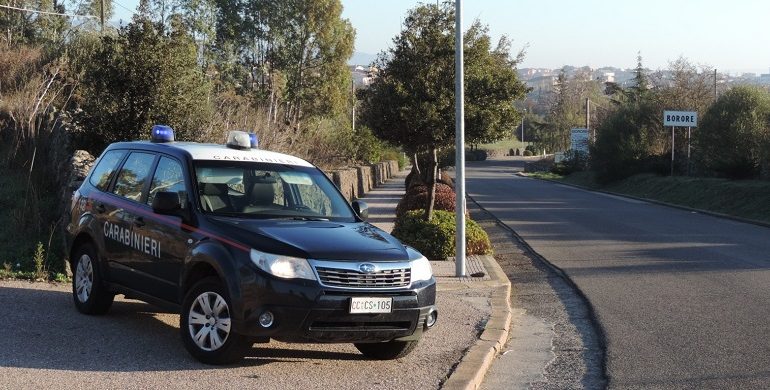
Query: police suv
(247, 245)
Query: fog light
(266, 319)
(431, 320)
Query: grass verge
(740, 198)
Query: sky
(732, 36)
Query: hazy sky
(729, 35)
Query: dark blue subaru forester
(247, 245)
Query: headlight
(421, 269)
(282, 266)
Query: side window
(134, 175)
(100, 177)
(168, 177)
(311, 196)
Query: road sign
(579, 138)
(680, 118)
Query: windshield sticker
(300, 178)
(134, 240)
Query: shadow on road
(42, 329)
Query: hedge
(436, 238)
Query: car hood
(322, 240)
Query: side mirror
(361, 208)
(166, 202)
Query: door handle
(100, 208)
(139, 221)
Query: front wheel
(206, 325)
(387, 350)
(88, 290)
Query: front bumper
(308, 312)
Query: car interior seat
(214, 197)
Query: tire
(88, 289)
(388, 350)
(205, 324)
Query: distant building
(363, 76)
(542, 83)
(607, 77)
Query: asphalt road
(683, 298)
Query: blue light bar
(162, 133)
(254, 138)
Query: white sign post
(579, 138)
(687, 119)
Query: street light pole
(459, 144)
(522, 125)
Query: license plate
(370, 305)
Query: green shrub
(527, 153)
(391, 153)
(732, 132)
(574, 161)
(436, 238)
(41, 274)
(416, 197)
(368, 148)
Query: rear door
(103, 206)
(127, 208)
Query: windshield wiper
(298, 218)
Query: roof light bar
(254, 138)
(238, 140)
(161, 134)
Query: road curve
(682, 297)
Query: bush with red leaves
(417, 198)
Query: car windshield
(269, 191)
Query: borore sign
(680, 118)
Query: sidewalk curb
(658, 202)
(470, 371)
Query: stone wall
(357, 181)
(347, 181)
(365, 178)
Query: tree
(732, 137)
(306, 43)
(411, 102)
(567, 108)
(141, 77)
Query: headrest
(214, 188)
(262, 194)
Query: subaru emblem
(367, 268)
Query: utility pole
(588, 115)
(101, 18)
(353, 94)
(459, 144)
(522, 124)
(715, 85)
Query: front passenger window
(133, 176)
(168, 178)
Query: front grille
(338, 277)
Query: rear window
(103, 171)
